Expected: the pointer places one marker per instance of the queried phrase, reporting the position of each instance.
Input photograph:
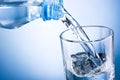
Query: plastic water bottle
(15, 13)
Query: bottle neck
(46, 9)
(52, 9)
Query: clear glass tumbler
(78, 64)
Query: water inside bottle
(17, 13)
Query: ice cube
(82, 63)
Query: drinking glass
(80, 64)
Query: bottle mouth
(95, 33)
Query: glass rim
(70, 40)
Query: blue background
(33, 51)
